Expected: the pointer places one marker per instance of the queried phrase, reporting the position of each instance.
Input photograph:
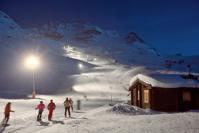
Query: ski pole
(14, 120)
(36, 114)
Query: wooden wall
(164, 99)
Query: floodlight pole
(111, 96)
(33, 85)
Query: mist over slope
(73, 55)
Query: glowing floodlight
(32, 62)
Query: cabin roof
(164, 80)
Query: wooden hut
(164, 92)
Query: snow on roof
(164, 80)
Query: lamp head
(32, 62)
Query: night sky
(171, 26)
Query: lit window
(138, 97)
(146, 96)
(186, 96)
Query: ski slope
(104, 84)
(97, 117)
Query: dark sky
(172, 26)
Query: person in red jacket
(7, 112)
(51, 107)
(40, 107)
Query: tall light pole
(32, 62)
(33, 85)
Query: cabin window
(186, 96)
(146, 96)
(138, 96)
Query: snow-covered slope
(18, 43)
(75, 56)
(97, 41)
(64, 49)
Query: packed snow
(128, 109)
(96, 116)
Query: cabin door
(186, 100)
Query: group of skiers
(68, 104)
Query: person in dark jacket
(51, 107)
(67, 107)
(7, 112)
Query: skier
(67, 107)
(51, 107)
(41, 107)
(7, 112)
(71, 103)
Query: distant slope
(62, 49)
(125, 49)
(181, 63)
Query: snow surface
(97, 117)
(128, 109)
